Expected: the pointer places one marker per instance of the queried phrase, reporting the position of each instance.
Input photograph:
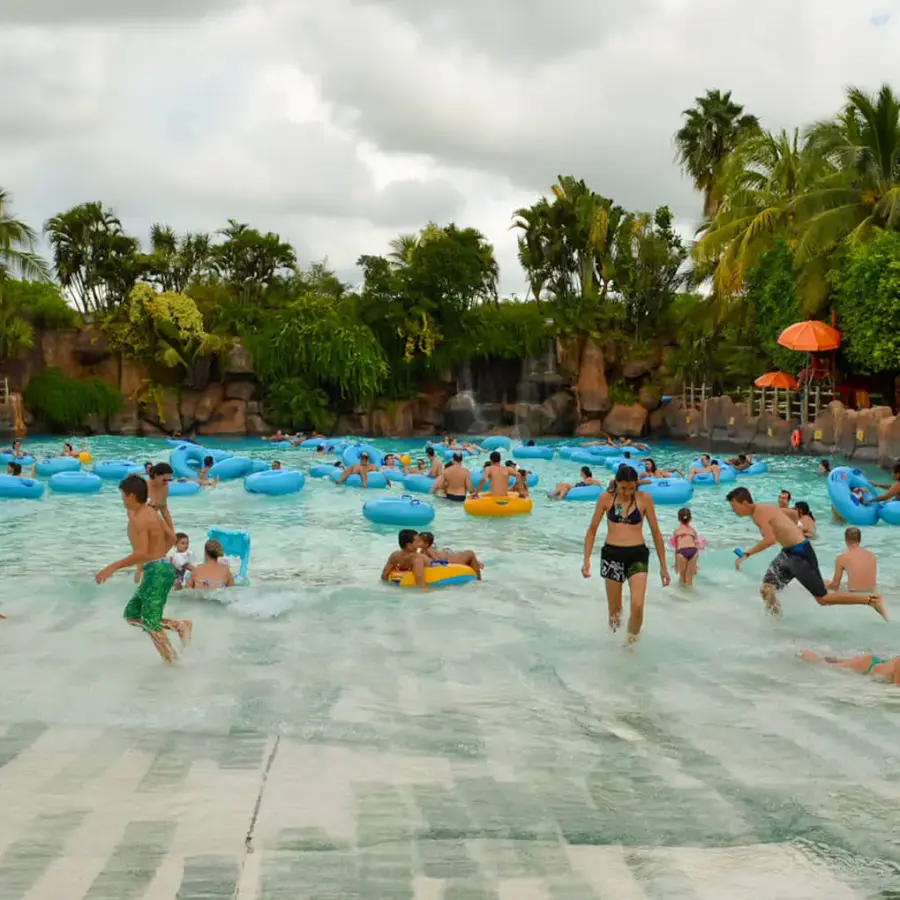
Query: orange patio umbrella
(777, 380)
(810, 337)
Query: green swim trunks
(149, 599)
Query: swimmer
(866, 664)
(211, 573)
(497, 475)
(893, 490)
(455, 482)
(651, 470)
(861, 565)
(68, 450)
(14, 469)
(805, 519)
(407, 558)
(203, 474)
(797, 559)
(182, 559)
(520, 486)
(436, 466)
(151, 539)
(687, 549)
(563, 488)
(707, 466)
(446, 554)
(16, 450)
(276, 465)
(741, 462)
(277, 437)
(824, 467)
(625, 556)
(362, 468)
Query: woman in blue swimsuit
(866, 664)
(625, 556)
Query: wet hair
(457, 457)
(181, 536)
(511, 464)
(627, 454)
(786, 492)
(17, 443)
(684, 515)
(148, 466)
(320, 448)
(161, 469)
(529, 443)
(742, 457)
(704, 456)
(587, 472)
(276, 463)
(429, 451)
(825, 464)
(213, 549)
(802, 507)
(523, 473)
(495, 458)
(626, 474)
(487, 465)
(740, 495)
(68, 446)
(134, 486)
(427, 537)
(650, 465)
(337, 462)
(208, 461)
(16, 468)
(406, 537)
(853, 536)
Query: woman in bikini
(806, 520)
(563, 488)
(686, 542)
(625, 556)
(211, 573)
(865, 664)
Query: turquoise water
(711, 734)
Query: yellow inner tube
(435, 576)
(510, 505)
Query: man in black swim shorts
(797, 558)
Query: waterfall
(465, 395)
(18, 414)
(526, 396)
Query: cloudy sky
(339, 123)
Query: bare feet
(773, 607)
(631, 640)
(876, 601)
(615, 622)
(185, 629)
(808, 655)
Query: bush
(66, 403)
(41, 303)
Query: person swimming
(884, 668)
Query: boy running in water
(151, 538)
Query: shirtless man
(437, 467)
(407, 558)
(706, 467)
(203, 474)
(861, 565)
(498, 475)
(456, 481)
(741, 462)
(362, 468)
(784, 503)
(893, 490)
(797, 558)
(151, 538)
(161, 475)
(277, 437)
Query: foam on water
(711, 734)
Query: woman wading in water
(625, 556)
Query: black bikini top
(617, 514)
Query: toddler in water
(687, 544)
(182, 559)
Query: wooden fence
(788, 405)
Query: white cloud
(340, 124)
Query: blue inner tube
(757, 468)
(373, 479)
(419, 484)
(531, 480)
(75, 483)
(47, 467)
(603, 450)
(590, 457)
(566, 451)
(726, 473)
(449, 454)
(258, 465)
(669, 492)
(889, 512)
(12, 488)
(586, 493)
(496, 442)
(613, 462)
(7, 458)
(187, 459)
(323, 470)
(840, 485)
(184, 488)
(234, 467)
(275, 482)
(117, 469)
(439, 447)
(281, 445)
(523, 451)
(351, 455)
(398, 511)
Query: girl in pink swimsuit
(687, 544)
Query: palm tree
(760, 182)
(402, 248)
(713, 127)
(17, 246)
(862, 190)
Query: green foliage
(18, 242)
(16, 333)
(868, 285)
(623, 393)
(66, 403)
(293, 403)
(772, 299)
(41, 303)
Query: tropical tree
(18, 257)
(249, 261)
(712, 128)
(95, 261)
(175, 262)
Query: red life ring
(796, 438)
